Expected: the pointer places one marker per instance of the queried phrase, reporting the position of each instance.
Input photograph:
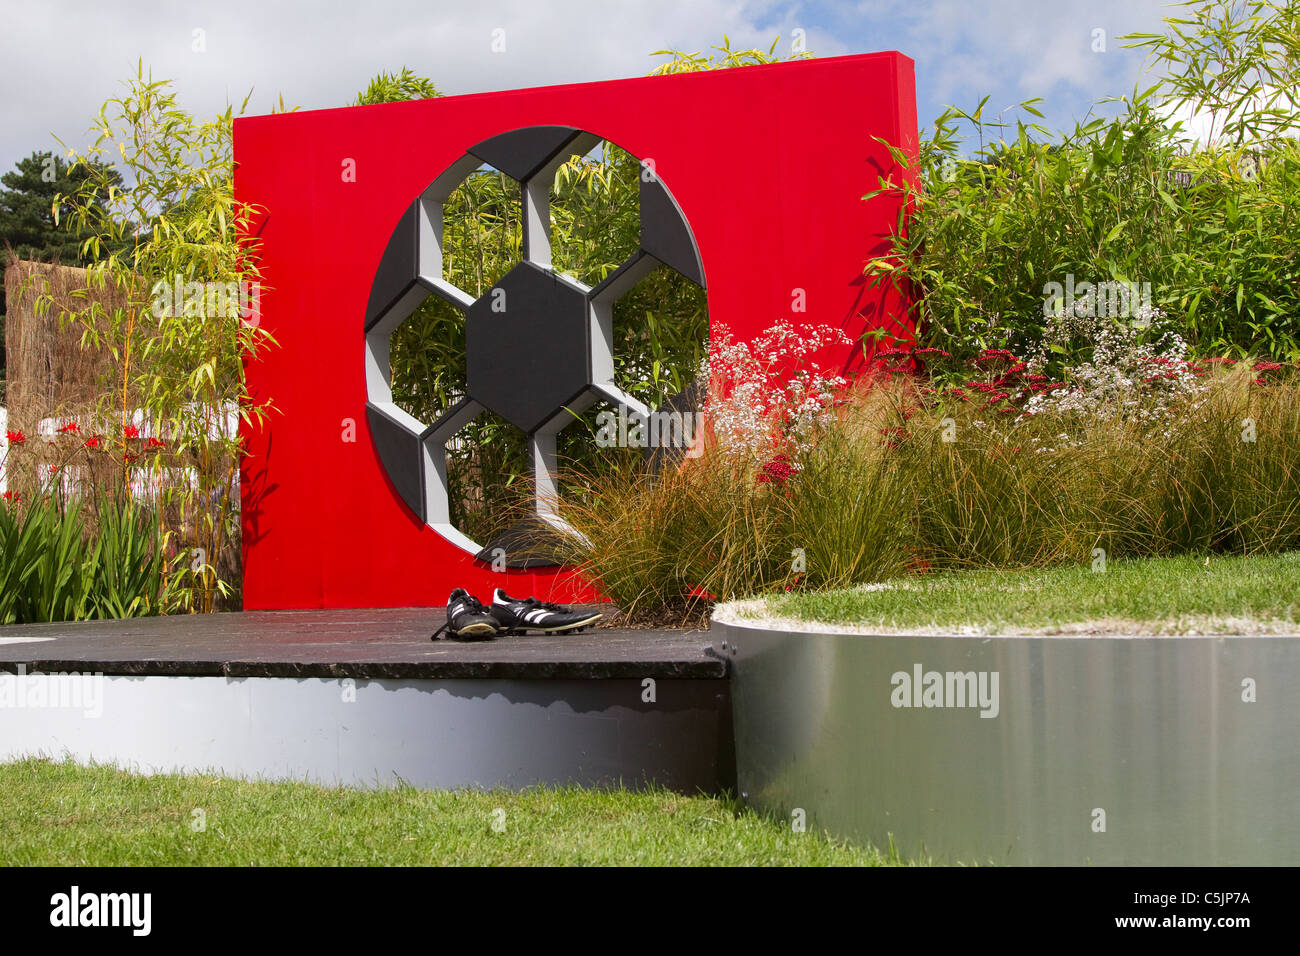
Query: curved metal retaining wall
(1082, 750)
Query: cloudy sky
(63, 58)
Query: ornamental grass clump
(898, 476)
(1135, 453)
(1220, 475)
(733, 518)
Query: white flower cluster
(1129, 373)
(769, 393)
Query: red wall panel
(768, 164)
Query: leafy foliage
(395, 87)
(725, 58)
(1233, 62)
(179, 362)
(51, 570)
(1210, 226)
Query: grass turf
(55, 813)
(1151, 596)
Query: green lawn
(57, 813)
(1187, 595)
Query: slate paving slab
(371, 644)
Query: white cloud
(64, 59)
(1015, 50)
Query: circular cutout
(539, 344)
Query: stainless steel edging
(1081, 750)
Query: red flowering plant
(1264, 368)
(767, 396)
(1139, 372)
(1141, 368)
(46, 466)
(13, 439)
(894, 361)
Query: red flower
(71, 428)
(130, 431)
(15, 438)
(1013, 372)
(1267, 366)
(155, 443)
(996, 355)
(11, 496)
(777, 471)
(94, 442)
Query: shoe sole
(477, 630)
(561, 629)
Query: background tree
(27, 223)
(27, 220)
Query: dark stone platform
(368, 644)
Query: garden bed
(1069, 743)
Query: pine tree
(26, 209)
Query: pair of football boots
(468, 619)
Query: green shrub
(1210, 226)
(179, 363)
(52, 570)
